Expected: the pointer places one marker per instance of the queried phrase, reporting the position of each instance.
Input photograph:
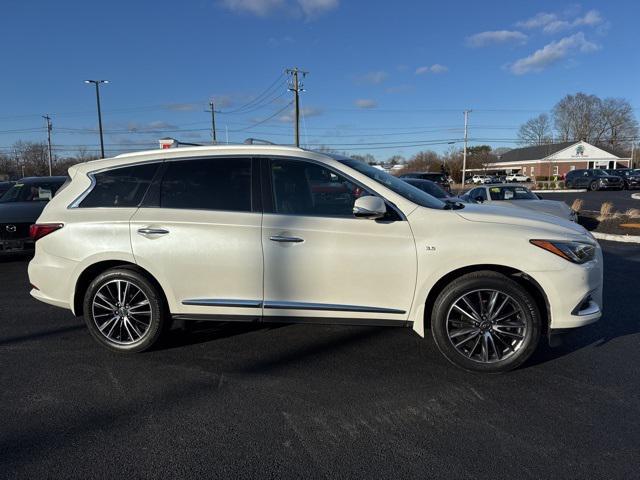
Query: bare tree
(618, 126)
(535, 131)
(427, 161)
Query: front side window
(511, 193)
(305, 188)
(120, 187)
(207, 184)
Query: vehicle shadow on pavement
(618, 320)
(190, 332)
(39, 335)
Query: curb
(573, 190)
(636, 196)
(616, 238)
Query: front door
(321, 264)
(200, 236)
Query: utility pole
(296, 87)
(213, 122)
(97, 84)
(464, 154)
(49, 128)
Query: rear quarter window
(120, 187)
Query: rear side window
(120, 187)
(207, 184)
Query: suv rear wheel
(593, 186)
(485, 322)
(124, 311)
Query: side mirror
(479, 199)
(370, 207)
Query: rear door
(198, 233)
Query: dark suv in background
(630, 177)
(441, 179)
(593, 179)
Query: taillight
(39, 230)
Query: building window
(555, 169)
(524, 170)
(532, 171)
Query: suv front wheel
(485, 322)
(124, 311)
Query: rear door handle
(152, 231)
(282, 239)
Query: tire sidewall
(158, 314)
(476, 282)
(593, 186)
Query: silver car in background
(513, 194)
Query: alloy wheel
(486, 326)
(121, 311)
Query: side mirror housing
(370, 207)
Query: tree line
(31, 159)
(600, 121)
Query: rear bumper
(52, 278)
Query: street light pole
(97, 84)
(464, 154)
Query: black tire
(568, 184)
(593, 186)
(128, 318)
(527, 315)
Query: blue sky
(393, 75)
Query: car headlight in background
(575, 252)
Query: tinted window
(511, 193)
(120, 187)
(207, 184)
(304, 188)
(428, 187)
(394, 184)
(32, 191)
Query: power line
(258, 98)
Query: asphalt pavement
(621, 199)
(229, 401)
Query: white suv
(517, 177)
(280, 234)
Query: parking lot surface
(621, 199)
(230, 400)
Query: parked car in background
(442, 179)
(432, 189)
(517, 177)
(630, 177)
(479, 179)
(240, 233)
(20, 207)
(4, 186)
(593, 179)
(518, 196)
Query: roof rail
(257, 141)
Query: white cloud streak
(365, 103)
(264, 8)
(496, 37)
(435, 68)
(554, 23)
(553, 53)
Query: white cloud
(263, 8)
(182, 107)
(255, 7)
(435, 68)
(150, 127)
(372, 78)
(365, 103)
(553, 53)
(495, 37)
(289, 117)
(553, 23)
(312, 8)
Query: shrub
(633, 213)
(576, 206)
(606, 211)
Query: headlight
(575, 252)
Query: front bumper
(574, 294)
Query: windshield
(30, 192)
(400, 187)
(428, 187)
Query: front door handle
(282, 239)
(152, 231)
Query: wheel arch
(524, 280)
(95, 269)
